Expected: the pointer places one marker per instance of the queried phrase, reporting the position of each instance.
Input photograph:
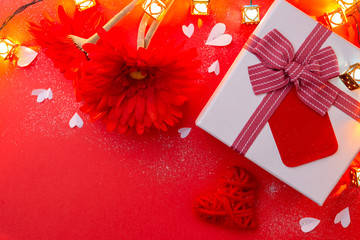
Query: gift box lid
(234, 102)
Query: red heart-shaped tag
(232, 204)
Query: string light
(8, 47)
(355, 176)
(335, 18)
(351, 77)
(347, 4)
(250, 14)
(200, 7)
(155, 8)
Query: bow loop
(274, 50)
(325, 61)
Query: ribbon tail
(259, 119)
(347, 104)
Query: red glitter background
(61, 183)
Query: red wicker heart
(232, 204)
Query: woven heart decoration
(232, 204)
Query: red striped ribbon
(309, 70)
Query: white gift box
(234, 102)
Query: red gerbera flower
(53, 36)
(139, 89)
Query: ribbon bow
(309, 69)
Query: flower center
(138, 75)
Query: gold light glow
(84, 4)
(7, 48)
(355, 176)
(250, 14)
(200, 7)
(336, 18)
(351, 78)
(347, 4)
(155, 8)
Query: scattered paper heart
(36, 92)
(26, 56)
(76, 121)
(42, 94)
(308, 224)
(215, 67)
(188, 30)
(217, 36)
(343, 217)
(184, 132)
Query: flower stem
(154, 26)
(94, 38)
(142, 29)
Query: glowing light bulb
(337, 19)
(3, 49)
(252, 14)
(84, 4)
(7, 48)
(346, 4)
(357, 74)
(200, 7)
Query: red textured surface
(232, 204)
(59, 183)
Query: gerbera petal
(53, 36)
(140, 109)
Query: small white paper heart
(184, 132)
(215, 67)
(26, 56)
(76, 121)
(36, 92)
(308, 224)
(188, 30)
(217, 36)
(49, 94)
(343, 217)
(41, 97)
(42, 94)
